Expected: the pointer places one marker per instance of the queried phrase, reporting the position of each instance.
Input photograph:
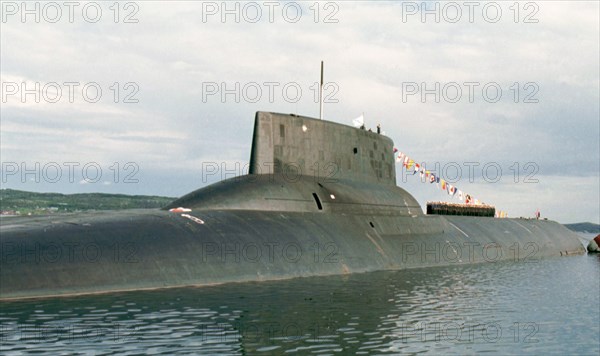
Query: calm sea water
(548, 307)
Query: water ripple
(548, 307)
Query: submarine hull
(320, 199)
(155, 249)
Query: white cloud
(369, 53)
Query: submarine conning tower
(319, 148)
(301, 164)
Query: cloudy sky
(139, 97)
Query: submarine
(320, 198)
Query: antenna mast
(321, 94)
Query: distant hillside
(18, 202)
(584, 227)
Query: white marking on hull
(457, 228)
(193, 218)
(523, 227)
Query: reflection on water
(548, 307)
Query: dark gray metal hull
(118, 251)
(267, 226)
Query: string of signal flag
(426, 176)
(409, 164)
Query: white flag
(359, 121)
